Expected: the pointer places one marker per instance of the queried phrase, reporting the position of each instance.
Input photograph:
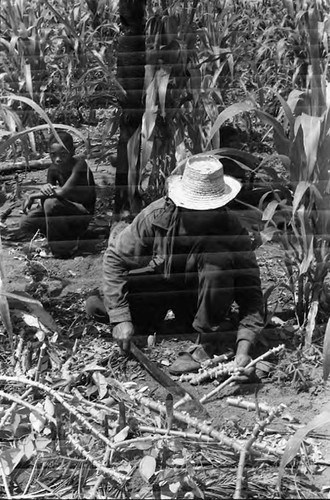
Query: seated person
(67, 201)
(189, 253)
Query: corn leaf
(288, 113)
(308, 259)
(301, 213)
(30, 103)
(311, 321)
(150, 114)
(195, 83)
(64, 21)
(326, 353)
(162, 78)
(133, 147)
(311, 127)
(18, 135)
(28, 79)
(247, 159)
(229, 113)
(298, 194)
(294, 98)
(269, 211)
(315, 28)
(148, 124)
(282, 144)
(294, 443)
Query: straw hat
(203, 185)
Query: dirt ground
(62, 285)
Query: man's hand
(242, 360)
(122, 333)
(27, 204)
(47, 189)
(242, 357)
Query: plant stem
(52, 392)
(32, 408)
(28, 484)
(164, 432)
(116, 476)
(209, 373)
(235, 376)
(256, 431)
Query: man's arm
(131, 249)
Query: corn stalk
(306, 146)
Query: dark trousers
(200, 297)
(61, 221)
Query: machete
(168, 383)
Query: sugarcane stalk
(235, 377)
(259, 427)
(61, 400)
(116, 476)
(221, 370)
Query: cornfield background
(174, 75)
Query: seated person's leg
(65, 222)
(33, 221)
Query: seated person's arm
(46, 191)
(70, 190)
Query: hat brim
(201, 201)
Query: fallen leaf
(101, 383)
(122, 435)
(28, 447)
(37, 420)
(124, 468)
(141, 445)
(42, 443)
(41, 335)
(49, 407)
(147, 467)
(10, 459)
(31, 320)
(129, 385)
(179, 461)
(151, 341)
(174, 487)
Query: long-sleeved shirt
(151, 241)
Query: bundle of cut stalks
(215, 372)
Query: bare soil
(62, 286)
